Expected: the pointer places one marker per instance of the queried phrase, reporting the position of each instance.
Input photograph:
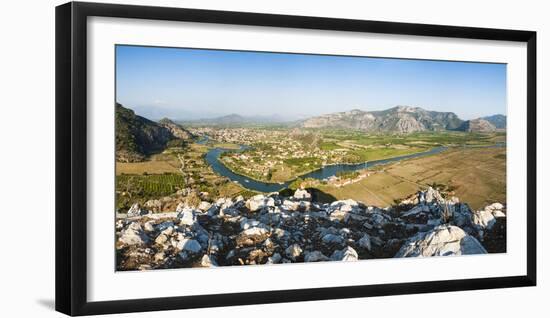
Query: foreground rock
(272, 229)
(347, 254)
(443, 240)
(133, 234)
(302, 194)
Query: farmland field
(164, 174)
(158, 164)
(475, 175)
(281, 155)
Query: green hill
(136, 136)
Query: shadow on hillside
(316, 195)
(320, 196)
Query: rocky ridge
(177, 130)
(498, 120)
(399, 119)
(138, 137)
(403, 120)
(477, 125)
(271, 229)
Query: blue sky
(193, 83)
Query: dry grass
(478, 177)
(166, 162)
(230, 190)
(151, 167)
(226, 146)
(281, 173)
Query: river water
(213, 159)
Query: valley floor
(476, 175)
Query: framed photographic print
(244, 158)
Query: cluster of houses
(271, 150)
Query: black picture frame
(71, 157)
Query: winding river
(213, 159)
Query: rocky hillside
(138, 137)
(400, 119)
(270, 229)
(177, 130)
(477, 125)
(499, 121)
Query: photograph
(229, 157)
(265, 158)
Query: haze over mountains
(236, 119)
(399, 119)
(402, 119)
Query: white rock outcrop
(135, 210)
(486, 218)
(258, 202)
(208, 261)
(348, 254)
(444, 240)
(293, 251)
(272, 229)
(133, 235)
(186, 215)
(301, 194)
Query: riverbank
(477, 175)
(324, 172)
(327, 171)
(308, 173)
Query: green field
(144, 187)
(427, 138)
(268, 161)
(475, 175)
(163, 175)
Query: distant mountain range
(137, 137)
(402, 120)
(499, 121)
(477, 125)
(236, 119)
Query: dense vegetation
(140, 188)
(347, 174)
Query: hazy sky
(191, 84)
